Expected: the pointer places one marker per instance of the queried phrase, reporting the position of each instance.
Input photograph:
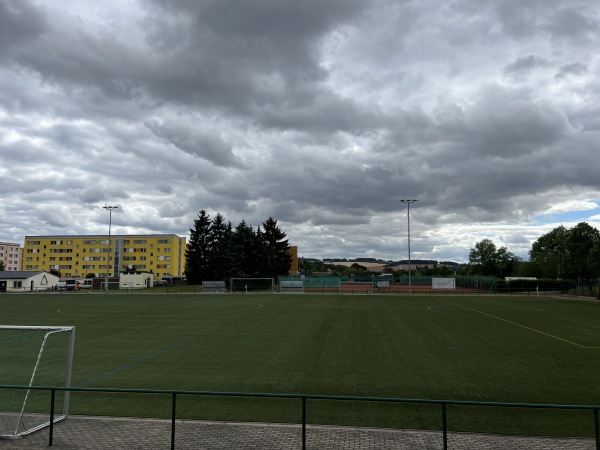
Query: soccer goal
(33, 356)
(443, 283)
(252, 285)
(214, 287)
(291, 287)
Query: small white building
(25, 281)
(136, 280)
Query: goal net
(252, 285)
(443, 283)
(33, 356)
(215, 287)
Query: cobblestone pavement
(80, 432)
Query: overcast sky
(322, 114)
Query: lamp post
(408, 202)
(110, 210)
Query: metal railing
(304, 400)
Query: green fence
(303, 405)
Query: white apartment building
(10, 255)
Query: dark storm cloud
(20, 23)
(321, 114)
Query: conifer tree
(198, 254)
(277, 258)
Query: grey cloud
(573, 23)
(571, 69)
(209, 147)
(20, 23)
(320, 114)
(519, 69)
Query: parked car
(71, 284)
(85, 283)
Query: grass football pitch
(479, 348)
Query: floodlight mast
(408, 202)
(110, 210)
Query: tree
(547, 252)
(220, 235)
(486, 259)
(55, 272)
(216, 251)
(483, 257)
(276, 249)
(242, 251)
(2, 268)
(581, 244)
(197, 254)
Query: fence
(303, 398)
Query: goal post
(33, 356)
(255, 285)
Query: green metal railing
(304, 400)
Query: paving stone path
(79, 432)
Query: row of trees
(217, 251)
(562, 253)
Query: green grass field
(505, 349)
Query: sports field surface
(479, 348)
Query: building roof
(18, 274)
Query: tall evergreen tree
(198, 253)
(220, 237)
(276, 248)
(242, 251)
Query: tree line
(571, 254)
(217, 251)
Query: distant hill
(378, 265)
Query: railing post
(597, 429)
(51, 431)
(173, 415)
(303, 423)
(444, 428)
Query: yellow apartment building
(78, 256)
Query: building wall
(78, 256)
(294, 255)
(10, 255)
(35, 282)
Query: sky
(322, 114)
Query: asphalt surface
(84, 432)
